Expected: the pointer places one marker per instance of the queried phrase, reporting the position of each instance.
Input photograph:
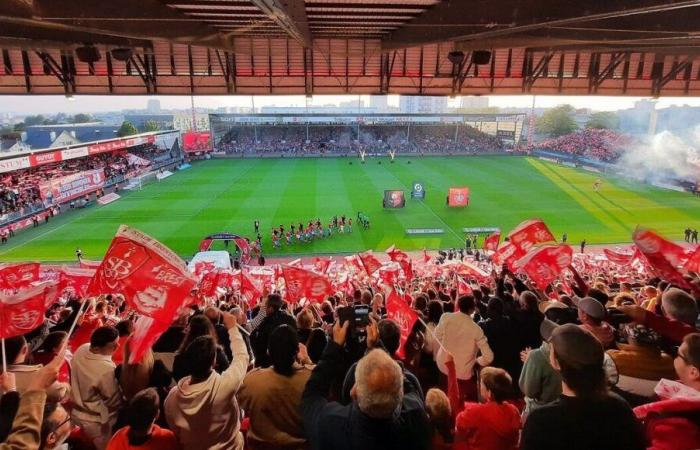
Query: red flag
(251, 290)
(244, 246)
(508, 254)
(458, 196)
(202, 268)
(389, 273)
(491, 242)
(463, 287)
(321, 265)
(295, 263)
(154, 281)
(426, 257)
(621, 259)
(693, 263)
(543, 265)
(75, 280)
(370, 262)
(396, 255)
(399, 311)
(407, 267)
(87, 264)
(353, 261)
(18, 276)
(24, 311)
(207, 285)
(529, 233)
(305, 283)
(468, 269)
(663, 256)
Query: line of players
(313, 230)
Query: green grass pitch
(228, 195)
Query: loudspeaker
(455, 57)
(481, 57)
(261, 260)
(121, 54)
(87, 54)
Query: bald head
(679, 305)
(378, 385)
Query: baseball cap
(545, 306)
(577, 347)
(592, 307)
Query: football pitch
(227, 195)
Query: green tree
(151, 125)
(127, 129)
(557, 121)
(34, 120)
(603, 119)
(21, 126)
(81, 118)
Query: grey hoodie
(539, 382)
(206, 415)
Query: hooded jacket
(672, 424)
(487, 426)
(205, 415)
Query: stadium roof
(614, 47)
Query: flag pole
(4, 358)
(72, 327)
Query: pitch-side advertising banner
(72, 186)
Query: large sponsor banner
(458, 196)
(73, 186)
(119, 144)
(193, 142)
(9, 165)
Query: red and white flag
(463, 287)
(396, 255)
(87, 264)
(508, 254)
(543, 265)
(426, 257)
(321, 265)
(465, 268)
(18, 276)
(25, 311)
(307, 284)
(251, 289)
(398, 310)
(621, 259)
(663, 256)
(492, 241)
(153, 279)
(370, 262)
(389, 273)
(530, 233)
(75, 280)
(693, 263)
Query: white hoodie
(206, 415)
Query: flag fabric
(244, 246)
(75, 280)
(543, 265)
(463, 287)
(491, 242)
(88, 264)
(389, 273)
(467, 269)
(201, 268)
(18, 276)
(508, 254)
(321, 265)
(663, 256)
(295, 263)
(529, 233)
(407, 268)
(621, 259)
(370, 262)
(398, 310)
(353, 263)
(307, 284)
(251, 290)
(693, 263)
(154, 281)
(458, 196)
(24, 311)
(426, 257)
(396, 255)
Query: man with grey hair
(386, 413)
(679, 305)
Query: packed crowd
(19, 190)
(494, 362)
(373, 139)
(596, 144)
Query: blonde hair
(305, 319)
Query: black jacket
(330, 425)
(261, 335)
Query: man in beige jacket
(202, 410)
